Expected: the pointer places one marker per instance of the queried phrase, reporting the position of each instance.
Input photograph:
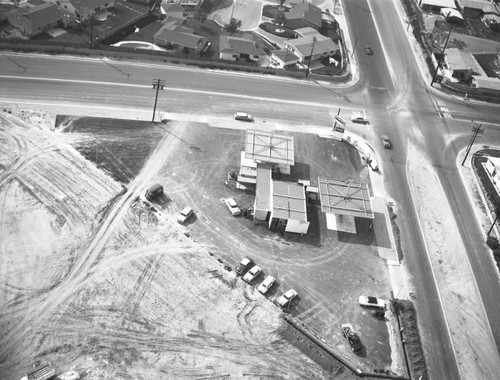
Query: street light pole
(158, 84)
(442, 56)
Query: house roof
(263, 188)
(271, 147)
(305, 11)
(39, 16)
(289, 201)
(304, 44)
(487, 82)
(173, 8)
(181, 38)
(439, 3)
(459, 61)
(238, 45)
(451, 13)
(286, 56)
(306, 31)
(88, 6)
(476, 4)
(345, 198)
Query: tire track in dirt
(44, 307)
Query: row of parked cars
(250, 272)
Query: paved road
(390, 88)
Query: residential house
(186, 4)
(476, 8)
(303, 15)
(462, 65)
(283, 58)
(486, 85)
(84, 9)
(239, 49)
(316, 44)
(175, 36)
(32, 21)
(436, 5)
(173, 9)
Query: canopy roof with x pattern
(271, 147)
(345, 198)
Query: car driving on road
(242, 116)
(386, 142)
(368, 50)
(252, 274)
(358, 117)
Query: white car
(286, 298)
(184, 215)
(252, 274)
(358, 117)
(233, 207)
(242, 116)
(266, 284)
(368, 301)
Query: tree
(200, 15)
(280, 18)
(233, 25)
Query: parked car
(243, 266)
(352, 338)
(266, 284)
(368, 50)
(154, 191)
(252, 274)
(184, 215)
(233, 207)
(386, 142)
(368, 301)
(286, 298)
(242, 116)
(359, 117)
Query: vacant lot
(96, 279)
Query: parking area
(328, 269)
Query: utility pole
(338, 114)
(477, 130)
(310, 57)
(493, 225)
(442, 56)
(158, 84)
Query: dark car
(352, 338)
(243, 265)
(368, 50)
(386, 142)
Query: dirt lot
(97, 280)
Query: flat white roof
(440, 3)
(289, 201)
